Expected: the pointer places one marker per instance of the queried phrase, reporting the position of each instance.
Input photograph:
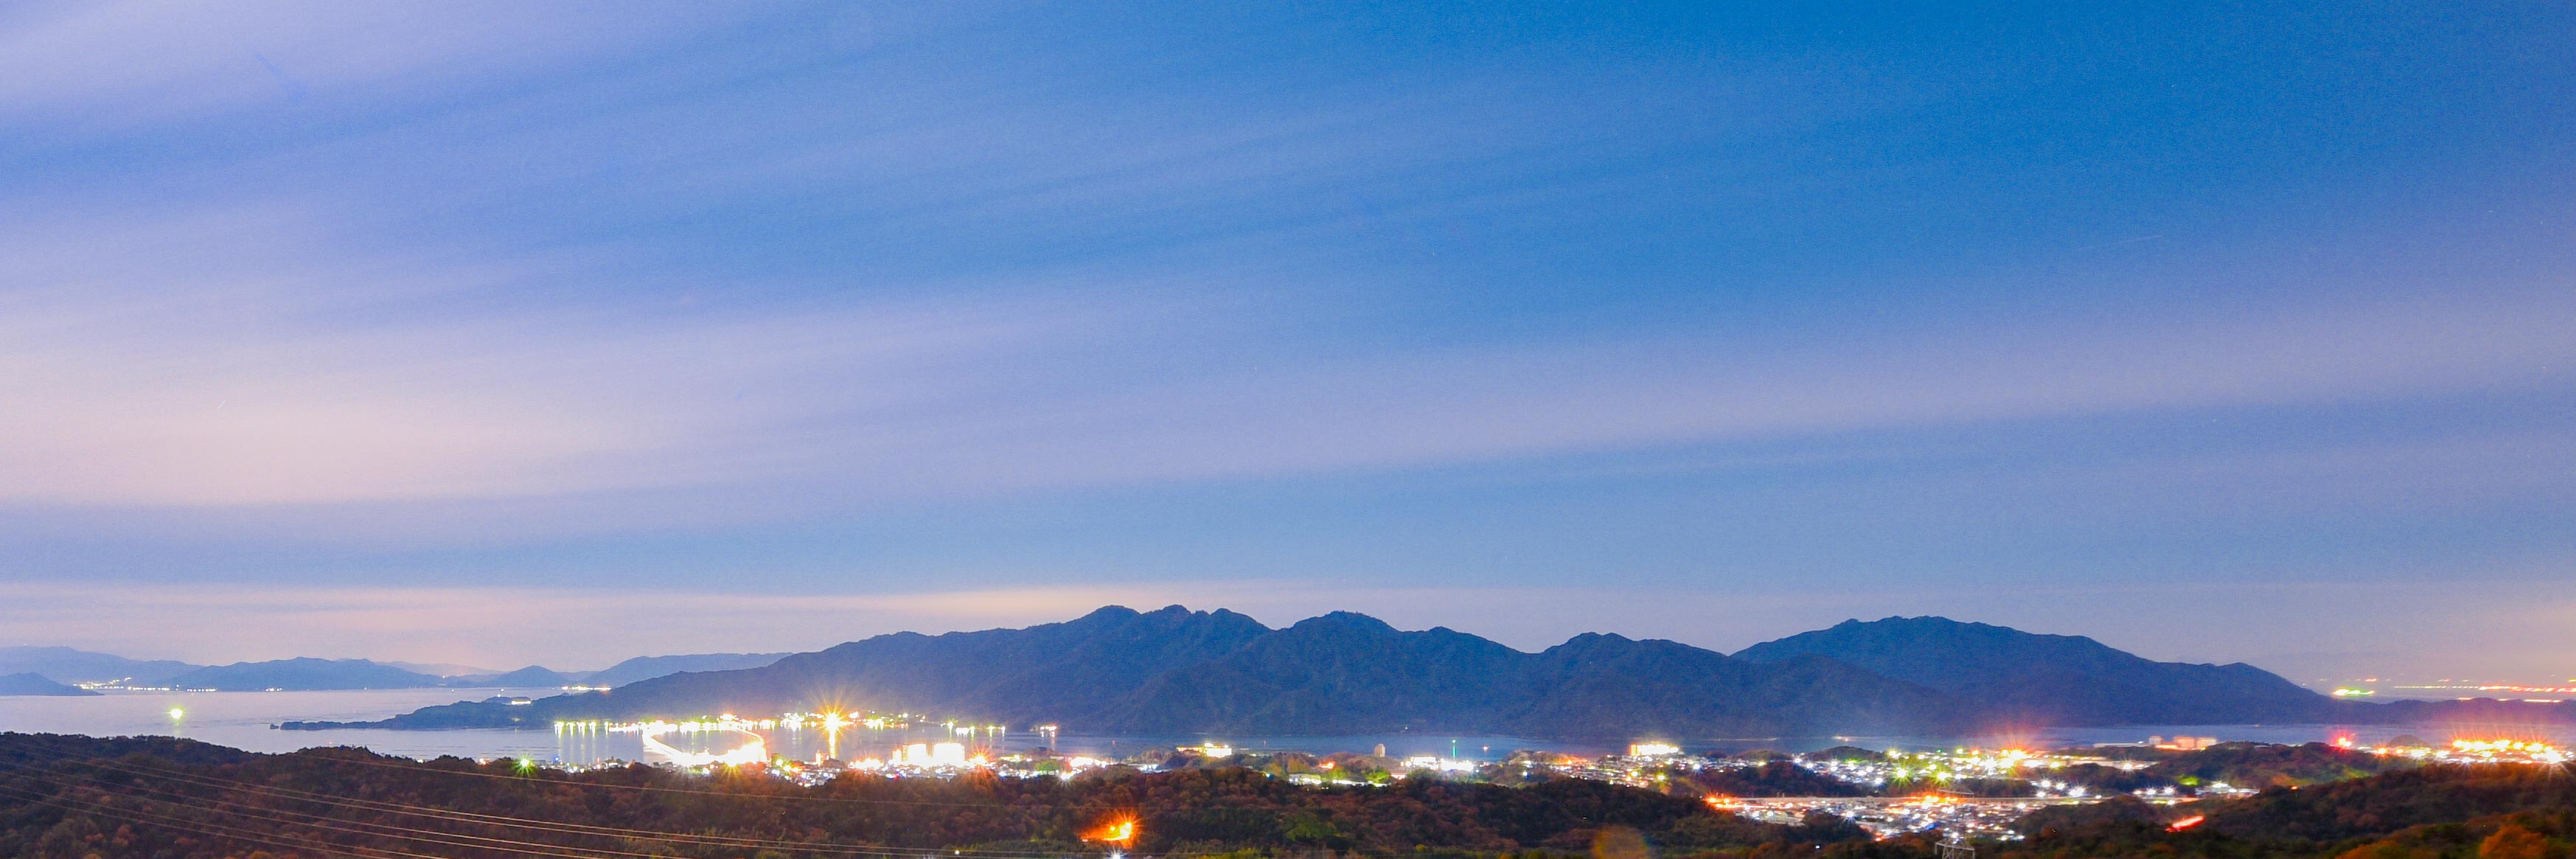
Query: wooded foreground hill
(2494, 811)
(79, 797)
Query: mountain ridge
(1174, 671)
(2061, 680)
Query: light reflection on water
(241, 720)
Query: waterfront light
(176, 713)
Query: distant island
(36, 684)
(67, 666)
(1177, 671)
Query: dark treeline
(76, 797)
(2432, 812)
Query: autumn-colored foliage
(71, 797)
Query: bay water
(242, 720)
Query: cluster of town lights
(754, 750)
(2471, 751)
(1648, 763)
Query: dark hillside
(2052, 679)
(2386, 803)
(1339, 673)
(74, 797)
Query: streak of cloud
(113, 64)
(304, 374)
(1677, 297)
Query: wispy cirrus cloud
(113, 64)
(249, 358)
(227, 360)
(332, 293)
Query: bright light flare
(1120, 831)
(2186, 823)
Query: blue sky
(498, 333)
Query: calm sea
(242, 719)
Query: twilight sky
(511, 333)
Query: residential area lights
(1926, 787)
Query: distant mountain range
(531, 677)
(64, 665)
(1176, 671)
(445, 669)
(303, 673)
(649, 667)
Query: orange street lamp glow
(1121, 831)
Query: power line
(209, 829)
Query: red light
(2185, 823)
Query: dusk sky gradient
(508, 333)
